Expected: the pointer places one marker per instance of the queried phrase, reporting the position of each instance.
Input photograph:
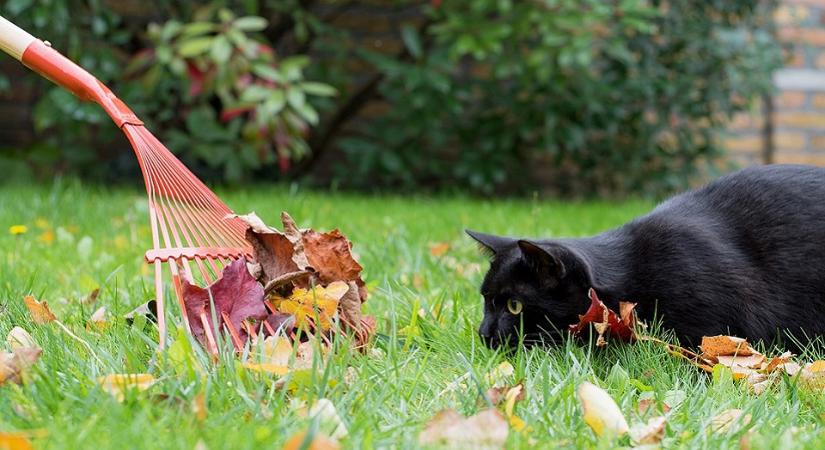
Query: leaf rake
(193, 231)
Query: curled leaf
(607, 322)
(39, 311)
(600, 412)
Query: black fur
(744, 255)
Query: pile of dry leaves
(298, 280)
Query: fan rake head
(193, 232)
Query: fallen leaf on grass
(19, 338)
(728, 420)
(275, 253)
(600, 412)
(199, 407)
(486, 430)
(329, 422)
(649, 433)
(14, 441)
(439, 248)
(349, 312)
(237, 297)
(714, 346)
(13, 366)
(39, 311)
(91, 299)
(118, 384)
(308, 304)
(98, 320)
(303, 441)
(812, 375)
(605, 321)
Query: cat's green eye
(514, 306)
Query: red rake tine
(189, 223)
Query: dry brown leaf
(349, 312)
(486, 430)
(274, 252)
(751, 361)
(330, 254)
(713, 346)
(728, 420)
(607, 322)
(39, 311)
(649, 433)
(303, 441)
(19, 338)
(91, 299)
(13, 366)
(118, 384)
(10, 440)
(777, 362)
(600, 412)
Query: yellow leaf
(199, 407)
(817, 366)
(275, 369)
(600, 412)
(40, 311)
(713, 346)
(118, 384)
(304, 304)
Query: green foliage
(583, 97)
(244, 107)
(574, 97)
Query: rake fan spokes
(190, 225)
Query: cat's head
(538, 288)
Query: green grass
(99, 240)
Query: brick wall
(796, 114)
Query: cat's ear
(548, 265)
(490, 243)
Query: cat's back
(757, 198)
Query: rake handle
(48, 62)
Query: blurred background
(564, 98)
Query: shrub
(492, 96)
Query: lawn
(80, 238)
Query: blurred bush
(492, 96)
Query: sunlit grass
(79, 238)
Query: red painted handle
(62, 71)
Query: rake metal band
(165, 254)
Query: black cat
(743, 255)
